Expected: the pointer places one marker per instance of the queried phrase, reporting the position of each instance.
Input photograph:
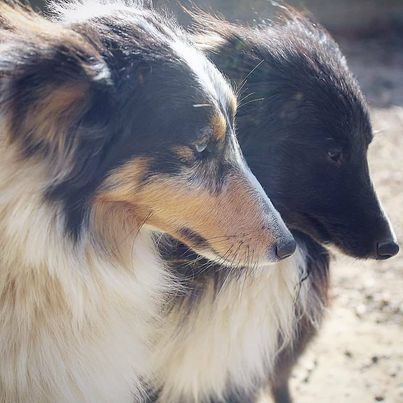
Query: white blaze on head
(209, 78)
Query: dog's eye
(335, 156)
(201, 147)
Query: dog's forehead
(313, 86)
(205, 96)
(187, 79)
(325, 111)
(210, 80)
(346, 122)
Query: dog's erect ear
(51, 79)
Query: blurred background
(358, 356)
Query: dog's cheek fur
(187, 210)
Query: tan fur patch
(171, 204)
(54, 113)
(53, 101)
(219, 126)
(124, 181)
(184, 153)
(233, 105)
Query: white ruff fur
(74, 326)
(232, 337)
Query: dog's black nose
(387, 249)
(285, 248)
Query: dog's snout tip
(387, 249)
(285, 248)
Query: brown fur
(220, 218)
(219, 126)
(55, 107)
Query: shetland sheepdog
(113, 130)
(304, 129)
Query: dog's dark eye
(335, 156)
(202, 148)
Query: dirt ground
(358, 356)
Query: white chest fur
(74, 325)
(232, 335)
(79, 335)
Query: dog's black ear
(55, 102)
(51, 81)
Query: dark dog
(304, 129)
(112, 127)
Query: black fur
(194, 237)
(303, 106)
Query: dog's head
(304, 130)
(135, 127)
